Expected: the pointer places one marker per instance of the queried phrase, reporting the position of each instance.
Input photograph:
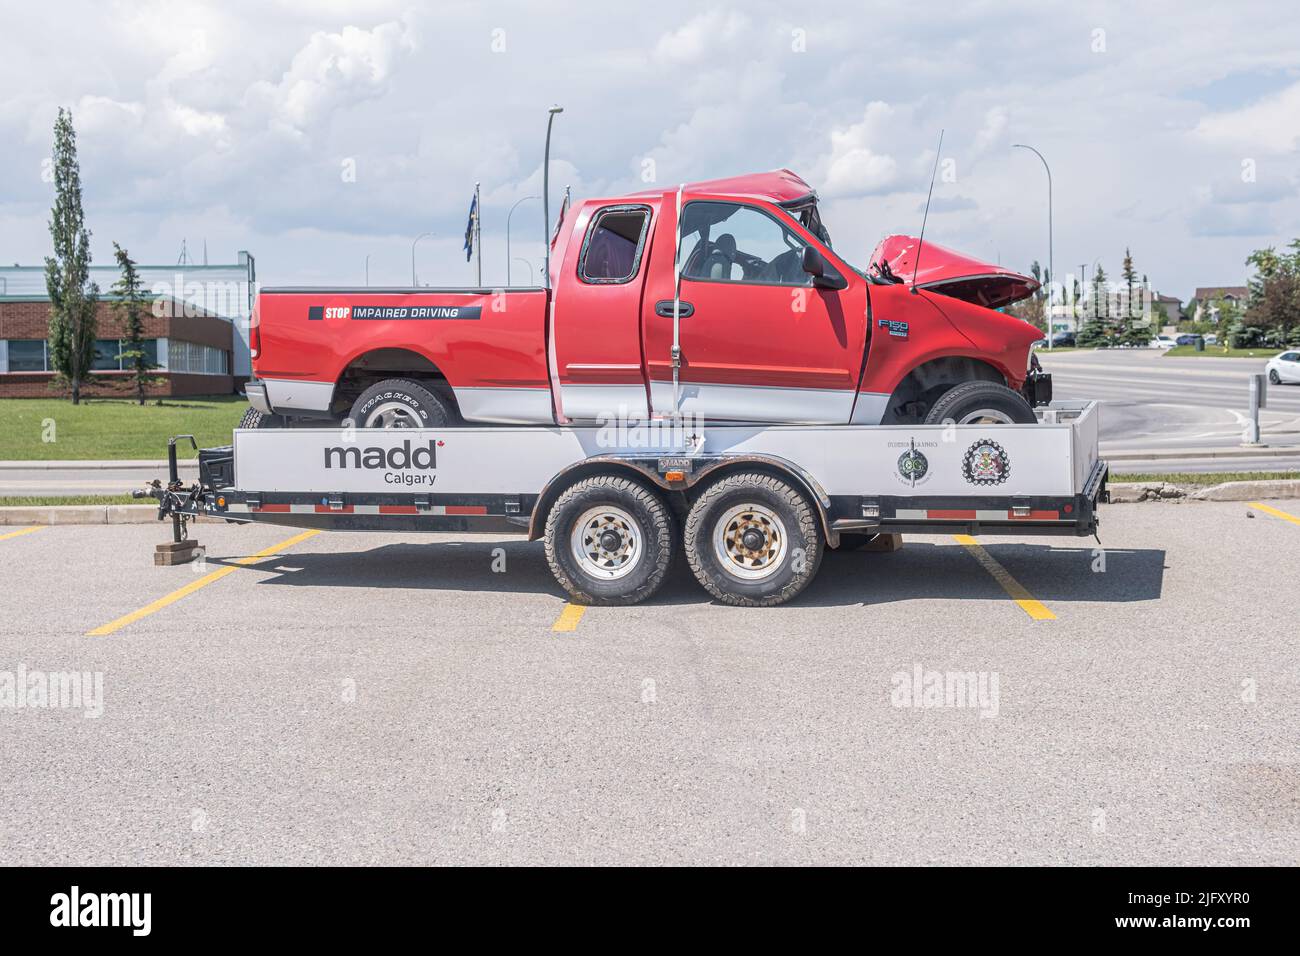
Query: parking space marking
(1275, 513)
(20, 531)
(569, 617)
(1034, 608)
(193, 586)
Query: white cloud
(701, 36)
(856, 164)
(1271, 125)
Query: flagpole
(478, 235)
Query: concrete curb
(79, 514)
(1249, 491)
(1264, 451)
(1131, 492)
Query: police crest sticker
(913, 466)
(985, 463)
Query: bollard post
(1258, 400)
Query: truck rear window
(612, 250)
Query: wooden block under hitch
(175, 552)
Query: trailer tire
(981, 403)
(625, 567)
(779, 558)
(399, 403)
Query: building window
(194, 359)
(28, 355)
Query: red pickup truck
(766, 323)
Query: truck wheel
(981, 403)
(255, 419)
(753, 541)
(609, 541)
(399, 403)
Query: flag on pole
(471, 227)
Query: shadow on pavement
(920, 571)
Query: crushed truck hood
(950, 273)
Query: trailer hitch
(174, 499)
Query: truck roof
(779, 185)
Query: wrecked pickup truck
(722, 300)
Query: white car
(1211, 338)
(1284, 368)
(1162, 342)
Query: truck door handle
(664, 309)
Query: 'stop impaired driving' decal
(985, 463)
(417, 313)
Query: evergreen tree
(67, 273)
(130, 305)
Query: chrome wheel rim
(750, 542)
(392, 414)
(606, 543)
(986, 416)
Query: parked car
(1188, 338)
(1063, 340)
(1162, 342)
(1284, 368)
(1211, 338)
(768, 323)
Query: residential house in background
(1205, 301)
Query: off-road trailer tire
(399, 403)
(753, 541)
(975, 402)
(610, 541)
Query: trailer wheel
(753, 541)
(399, 403)
(981, 403)
(609, 541)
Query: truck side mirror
(813, 263)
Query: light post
(367, 270)
(1051, 269)
(526, 263)
(509, 261)
(422, 235)
(546, 194)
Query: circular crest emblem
(985, 463)
(913, 466)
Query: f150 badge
(894, 327)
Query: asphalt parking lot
(367, 698)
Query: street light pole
(422, 235)
(367, 270)
(526, 263)
(1050, 267)
(546, 194)
(510, 261)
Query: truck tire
(975, 403)
(255, 419)
(609, 541)
(399, 403)
(753, 541)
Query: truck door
(597, 310)
(759, 342)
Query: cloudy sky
(316, 133)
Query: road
(364, 698)
(1154, 402)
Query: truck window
(612, 249)
(730, 242)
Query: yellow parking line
(194, 585)
(1275, 513)
(1035, 609)
(14, 534)
(569, 617)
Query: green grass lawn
(1215, 351)
(46, 501)
(113, 428)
